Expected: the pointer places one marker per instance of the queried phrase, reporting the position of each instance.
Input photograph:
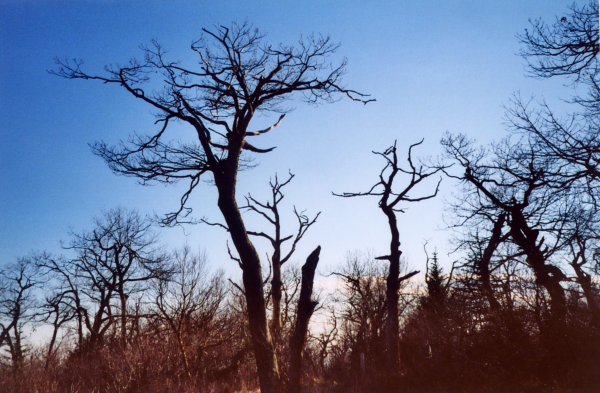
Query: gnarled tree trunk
(306, 307)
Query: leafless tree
(583, 245)
(390, 203)
(188, 300)
(363, 315)
(65, 299)
(237, 76)
(113, 261)
(325, 340)
(270, 211)
(18, 306)
(58, 311)
(568, 47)
(483, 261)
(510, 180)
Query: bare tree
(113, 261)
(390, 201)
(58, 311)
(18, 306)
(270, 211)
(583, 245)
(326, 339)
(484, 261)
(363, 299)
(188, 300)
(65, 299)
(238, 75)
(568, 47)
(512, 181)
(359, 356)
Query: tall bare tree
(237, 75)
(390, 203)
(510, 182)
(568, 48)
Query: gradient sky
(433, 66)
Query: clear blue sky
(433, 66)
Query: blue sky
(433, 66)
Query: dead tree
(237, 75)
(270, 212)
(306, 308)
(583, 229)
(390, 202)
(325, 340)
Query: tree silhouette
(390, 201)
(112, 262)
(509, 182)
(18, 283)
(568, 47)
(237, 76)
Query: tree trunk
(17, 349)
(484, 264)
(184, 356)
(55, 326)
(585, 281)
(266, 360)
(306, 307)
(547, 276)
(123, 300)
(276, 284)
(79, 326)
(392, 329)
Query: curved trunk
(484, 264)
(266, 361)
(548, 276)
(55, 326)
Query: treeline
(518, 311)
(121, 315)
